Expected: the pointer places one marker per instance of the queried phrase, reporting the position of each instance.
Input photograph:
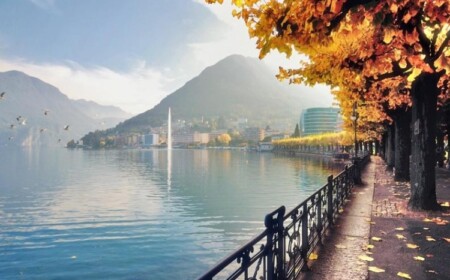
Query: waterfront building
(255, 134)
(320, 120)
(149, 140)
(190, 138)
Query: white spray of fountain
(169, 131)
(169, 151)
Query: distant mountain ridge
(44, 112)
(236, 86)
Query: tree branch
(442, 47)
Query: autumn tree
(223, 139)
(406, 49)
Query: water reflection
(121, 214)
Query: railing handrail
(273, 254)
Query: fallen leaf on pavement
(370, 246)
(340, 246)
(399, 228)
(313, 256)
(440, 221)
(376, 269)
(429, 255)
(432, 271)
(404, 275)
(399, 236)
(445, 204)
(446, 239)
(376, 239)
(412, 246)
(419, 258)
(365, 258)
(429, 238)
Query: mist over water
(139, 214)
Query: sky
(129, 54)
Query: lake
(139, 214)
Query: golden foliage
(340, 138)
(368, 53)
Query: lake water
(139, 214)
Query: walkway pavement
(378, 237)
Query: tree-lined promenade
(388, 65)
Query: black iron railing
(281, 251)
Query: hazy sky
(125, 53)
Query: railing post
(305, 239)
(275, 228)
(330, 200)
(319, 217)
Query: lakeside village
(320, 130)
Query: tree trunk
(402, 145)
(440, 154)
(424, 94)
(384, 146)
(390, 155)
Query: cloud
(136, 91)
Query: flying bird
(19, 118)
(66, 127)
(42, 130)
(2, 95)
(12, 126)
(46, 112)
(59, 140)
(10, 138)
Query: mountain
(107, 116)
(235, 87)
(33, 112)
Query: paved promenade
(378, 237)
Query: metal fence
(281, 251)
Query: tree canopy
(386, 55)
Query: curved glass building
(320, 120)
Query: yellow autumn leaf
(238, 3)
(412, 246)
(376, 269)
(389, 35)
(447, 239)
(340, 246)
(399, 228)
(445, 204)
(370, 246)
(415, 72)
(402, 63)
(404, 275)
(313, 256)
(376, 239)
(399, 236)
(426, 220)
(419, 258)
(429, 238)
(365, 258)
(394, 8)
